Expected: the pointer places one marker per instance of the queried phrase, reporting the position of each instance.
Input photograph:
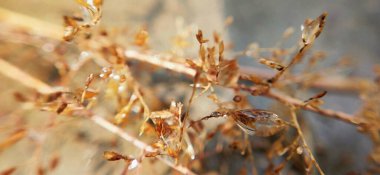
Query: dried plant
(118, 96)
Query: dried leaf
(272, 64)
(71, 28)
(112, 156)
(192, 64)
(258, 122)
(254, 121)
(90, 93)
(311, 29)
(315, 100)
(200, 38)
(125, 111)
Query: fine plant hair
(120, 94)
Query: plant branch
(177, 67)
(15, 73)
(32, 25)
(304, 143)
(22, 77)
(137, 143)
(52, 31)
(348, 118)
(160, 62)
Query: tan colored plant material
(160, 119)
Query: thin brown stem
(14, 72)
(271, 93)
(24, 78)
(299, 130)
(54, 32)
(137, 143)
(32, 25)
(325, 112)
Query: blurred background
(352, 31)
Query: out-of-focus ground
(352, 30)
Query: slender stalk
(299, 130)
(33, 25)
(348, 118)
(22, 77)
(137, 143)
(52, 31)
(15, 73)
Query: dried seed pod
(311, 29)
(253, 121)
(112, 156)
(258, 122)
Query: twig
(53, 31)
(326, 112)
(296, 124)
(337, 83)
(15, 73)
(177, 67)
(330, 83)
(139, 144)
(33, 25)
(159, 61)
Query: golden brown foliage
(118, 96)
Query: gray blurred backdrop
(352, 29)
